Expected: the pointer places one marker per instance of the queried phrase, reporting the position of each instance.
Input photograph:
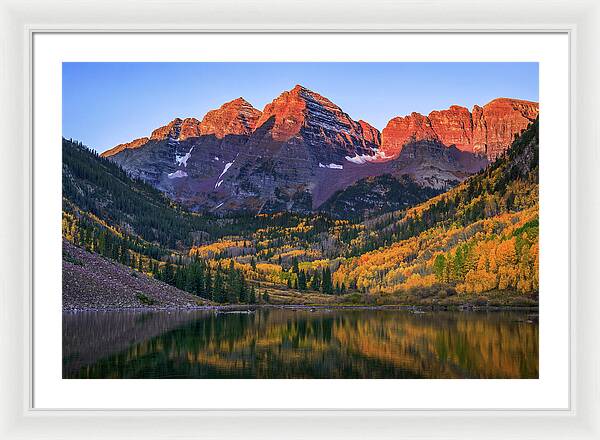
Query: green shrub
(145, 299)
(71, 259)
(354, 298)
(482, 301)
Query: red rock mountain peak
(487, 130)
(236, 117)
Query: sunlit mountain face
(302, 149)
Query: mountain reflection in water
(283, 343)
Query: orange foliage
(498, 253)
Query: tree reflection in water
(276, 343)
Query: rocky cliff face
(370, 133)
(302, 113)
(136, 143)
(184, 157)
(453, 127)
(236, 117)
(177, 129)
(496, 124)
(487, 130)
(300, 145)
(302, 148)
(432, 164)
(401, 130)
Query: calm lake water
(278, 343)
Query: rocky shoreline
(92, 282)
(224, 308)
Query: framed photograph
(362, 225)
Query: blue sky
(105, 104)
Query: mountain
(291, 156)
(507, 185)
(487, 130)
(184, 158)
(297, 156)
(99, 194)
(432, 164)
(303, 148)
(328, 133)
(375, 195)
(236, 117)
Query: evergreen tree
(438, 266)
(208, 286)
(133, 261)
(326, 282)
(301, 280)
(190, 275)
(218, 289)
(199, 281)
(315, 281)
(168, 273)
(242, 294)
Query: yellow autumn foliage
(500, 253)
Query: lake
(276, 343)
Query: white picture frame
(20, 20)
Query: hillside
(510, 184)
(93, 282)
(480, 237)
(376, 195)
(100, 195)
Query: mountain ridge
(487, 130)
(435, 118)
(302, 148)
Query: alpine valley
(301, 204)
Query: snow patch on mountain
(360, 159)
(182, 160)
(227, 166)
(364, 158)
(333, 166)
(177, 174)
